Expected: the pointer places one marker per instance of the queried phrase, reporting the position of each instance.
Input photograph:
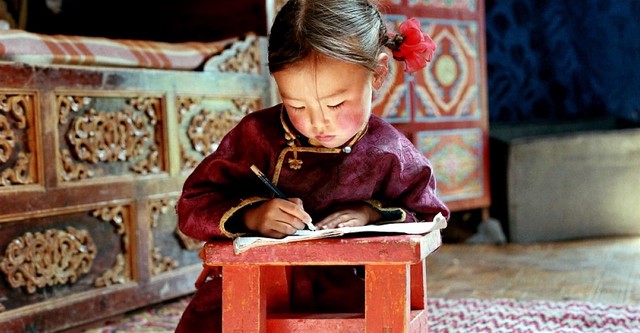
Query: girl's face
(329, 100)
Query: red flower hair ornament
(412, 46)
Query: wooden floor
(599, 270)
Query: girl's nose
(318, 119)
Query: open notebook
(243, 243)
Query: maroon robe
(379, 166)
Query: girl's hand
(350, 216)
(276, 218)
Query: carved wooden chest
(92, 160)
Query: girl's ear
(382, 69)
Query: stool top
(396, 249)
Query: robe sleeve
(409, 191)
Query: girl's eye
(337, 106)
(294, 108)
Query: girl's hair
(349, 30)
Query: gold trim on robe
(230, 212)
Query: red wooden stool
(255, 290)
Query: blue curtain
(563, 60)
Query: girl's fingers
(294, 208)
(334, 220)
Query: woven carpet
(453, 316)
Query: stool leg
(419, 286)
(387, 298)
(244, 307)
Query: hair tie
(412, 46)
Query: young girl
(322, 147)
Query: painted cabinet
(443, 109)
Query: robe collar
(294, 142)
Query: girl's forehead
(323, 78)
(317, 59)
(319, 67)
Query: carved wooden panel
(205, 120)
(18, 139)
(245, 56)
(102, 136)
(57, 254)
(170, 248)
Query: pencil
(275, 190)
(267, 182)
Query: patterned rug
(452, 316)
(513, 316)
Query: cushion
(23, 46)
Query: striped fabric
(22, 46)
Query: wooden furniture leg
(419, 285)
(243, 301)
(387, 306)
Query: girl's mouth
(325, 138)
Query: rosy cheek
(299, 121)
(350, 120)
